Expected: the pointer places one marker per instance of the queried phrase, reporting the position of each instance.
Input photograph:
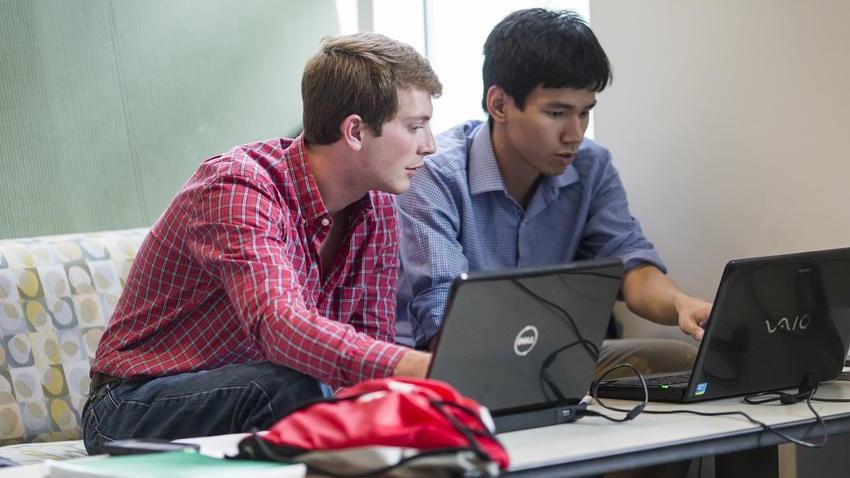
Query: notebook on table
(774, 320)
(524, 342)
(173, 464)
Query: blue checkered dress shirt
(458, 217)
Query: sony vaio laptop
(524, 342)
(774, 320)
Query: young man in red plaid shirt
(274, 268)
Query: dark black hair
(554, 49)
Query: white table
(596, 446)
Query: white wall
(729, 122)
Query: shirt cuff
(645, 256)
(378, 361)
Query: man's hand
(413, 364)
(650, 294)
(693, 314)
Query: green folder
(173, 464)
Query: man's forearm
(413, 364)
(650, 294)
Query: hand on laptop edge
(693, 314)
(413, 364)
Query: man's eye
(555, 114)
(585, 114)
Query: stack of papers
(175, 464)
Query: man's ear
(497, 103)
(352, 131)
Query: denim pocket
(98, 404)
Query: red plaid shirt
(231, 273)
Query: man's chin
(399, 187)
(556, 171)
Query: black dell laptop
(775, 320)
(524, 342)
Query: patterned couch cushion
(33, 453)
(56, 294)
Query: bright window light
(451, 34)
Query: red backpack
(392, 426)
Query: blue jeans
(230, 399)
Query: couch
(56, 295)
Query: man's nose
(430, 145)
(573, 131)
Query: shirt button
(325, 221)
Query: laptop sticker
(701, 388)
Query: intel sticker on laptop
(701, 388)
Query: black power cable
(807, 395)
(630, 414)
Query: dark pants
(231, 399)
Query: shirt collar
(569, 176)
(309, 198)
(484, 174)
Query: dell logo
(801, 322)
(525, 340)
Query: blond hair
(359, 74)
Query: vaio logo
(801, 322)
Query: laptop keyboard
(667, 380)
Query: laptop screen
(526, 339)
(774, 320)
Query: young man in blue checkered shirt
(526, 188)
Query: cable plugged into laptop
(630, 414)
(808, 387)
(806, 391)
